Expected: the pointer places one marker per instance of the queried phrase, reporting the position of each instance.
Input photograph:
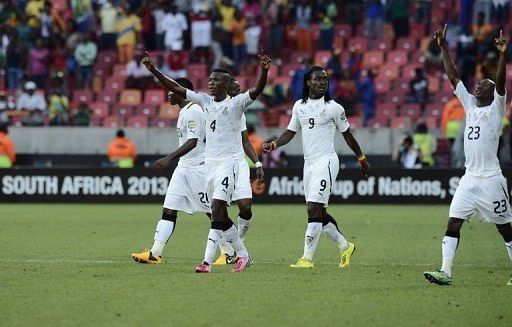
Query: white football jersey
(482, 132)
(223, 120)
(318, 121)
(243, 127)
(191, 125)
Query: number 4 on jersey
(212, 125)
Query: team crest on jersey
(343, 116)
(225, 111)
(191, 124)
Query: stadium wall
(281, 186)
(150, 141)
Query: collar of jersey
(188, 105)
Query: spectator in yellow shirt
(33, 10)
(127, 28)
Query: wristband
(362, 159)
(258, 164)
(274, 145)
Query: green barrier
(5, 162)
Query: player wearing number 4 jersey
(223, 141)
(318, 117)
(482, 189)
(186, 191)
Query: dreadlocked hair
(305, 87)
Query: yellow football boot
(146, 257)
(346, 254)
(225, 259)
(303, 263)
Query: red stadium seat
(145, 109)
(113, 121)
(96, 121)
(386, 109)
(107, 57)
(119, 71)
(434, 109)
(355, 122)
(344, 31)
(99, 109)
(120, 109)
(417, 30)
(197, 71)
(401, 122)
(115, 83)
(131, 97)
(382, 85)
(156, 97)
(406, 43)
(388, 71)
(359, 43)
(169, 111)
(409, 71)
(109, 97)
(402, 84)
(137, 122)
(373, 58)
(384, 45)
(101, 70)
(417, 57)
(411, 110)
(397, 57)
(322, 57)
(59, 5)
(395, 96)
(378, 122)
(289, 69)
(161, 122)
(82, 96)
(297, 57)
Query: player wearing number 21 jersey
(483, 189)
(319, 118)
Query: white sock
(332, 232)
(232, 237)
(449, 246)
(243, 227)
(211, 245)
(225, 247)
(163, 232)
(509, 249)
(311, 239)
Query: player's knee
(315, 210)
(169, 215)
(245, 211)
(454, 225)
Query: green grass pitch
(70, 265)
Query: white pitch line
(274, 263)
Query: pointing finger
(444, 29)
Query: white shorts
(221, 180)
(187, 191)
(319, 177)
(487, 196)
(243, 188)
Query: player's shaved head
(218, 83)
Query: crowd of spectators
(50, 48)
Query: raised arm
(265, 62)
(165, 162)
(251, 153)
(501, 77)
(354, 146)
(449, 66)
(286, 137)
(167, 82)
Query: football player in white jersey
(186, 191)
(243, 191)
(482, 189)
(223, 141)
(318, 117)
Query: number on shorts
(323, 184)
(225, 182)
(474, 133)
(311, 123)
(500, 206)
(212, 125)
(203, 197)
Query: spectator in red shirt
(177, 63)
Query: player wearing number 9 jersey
(482, 189)
(186, 191)
(319, 118)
